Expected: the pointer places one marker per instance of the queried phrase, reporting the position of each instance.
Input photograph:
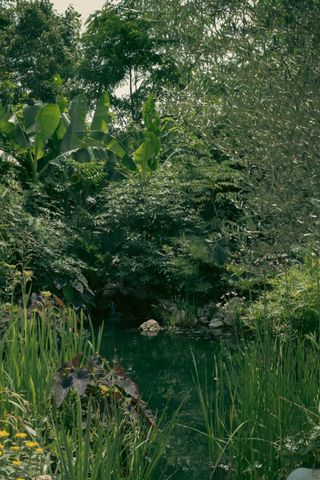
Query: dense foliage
(35, 44)
(217, 192)
(162, 161)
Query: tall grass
(110, 447)
(260, 408)
(34, 347)
(82, 439)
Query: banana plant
(47, 134)
(28, 135)
(146, 157)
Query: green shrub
(293, 303)
(42, 243)
(166, 233)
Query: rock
(151, 327)
(43, 477)
(149, 334)
(218, 332)
(204, 320)
(216, 323)
(229, 318)
(212, 306)
(304, 474)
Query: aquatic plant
(260, 408)
(87, 421)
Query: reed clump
(260, 407)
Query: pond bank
(163, 368)
(243, 398)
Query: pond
(163, 368)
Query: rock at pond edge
(150, 327)
(304, 474)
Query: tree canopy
(36, 43)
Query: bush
(41, 243)
(293, 303)
(166, 234)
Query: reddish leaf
(58, 301)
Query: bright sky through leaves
(84, 7)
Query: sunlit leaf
(47, 120)
(101, 116)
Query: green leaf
(7, 128)
(82, 155)
(115, 147)
(5, 113)
(17, 135)
(101, 117)
(7, 158)
(63, 126)
(68, 293)
(10, 126)
(30, 113)
(57, 80)
(47, 121)
(146, 151)
(150, 117)
(128, 163)
(76, 130)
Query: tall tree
(251, 94)
(36, 43)
(121, 49)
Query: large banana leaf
(81, 155)
(145, 155)
(150, 117)
(76, 130)
(47, 121)
(115, 147)
(63, 126)
(101, 117)
(30, 113)
(17, 134)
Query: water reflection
(163, 368)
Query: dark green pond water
(163, 368)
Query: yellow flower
(45, 294)
(14, 448)
(39, 450)
(105, 391)
(4, 434)
(21, 435)
(1, 446)
(19, 478)
(31, 444)
(16, 462)
(27, 273)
